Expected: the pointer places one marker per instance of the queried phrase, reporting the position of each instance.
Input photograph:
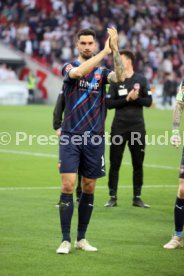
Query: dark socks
(79, 188)
(84, 214)
(179, 216)
(66, 211)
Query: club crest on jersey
(68, 67)
(97, 77)
(137, 86)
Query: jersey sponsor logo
(122, 92)
(88, 85)
(68, 67)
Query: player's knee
(67, 187)
(89, 189)
(88, 186)
(181, 191)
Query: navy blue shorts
(82, 156)
(181, 174)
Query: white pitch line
(98, 187)
(38, 154)
(156, 166)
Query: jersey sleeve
(112, 99)
(145, 97)
(58, 111)
(66, 69)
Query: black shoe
(111, 203)
(137, 202)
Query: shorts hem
(92, 177)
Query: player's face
(86, 46)
(126, 62)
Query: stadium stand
(44, 30)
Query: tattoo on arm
(177, 114)
(112, 77)
(118, 65)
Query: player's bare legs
(181, 188)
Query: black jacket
(58, 111)
(128, 115)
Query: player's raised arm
(177, 115)
(119, 74)
(86, 45)
(176, 139)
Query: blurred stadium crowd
(45, 30)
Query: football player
(177, 239)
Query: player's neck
(129, 73)
(81, 59)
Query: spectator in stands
(45, 30)
(31, 85)
(169, 89)
(7, 73)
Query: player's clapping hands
(175, 138)
(107, 48)
(113, 34)
(132, 95)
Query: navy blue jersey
(84, 100)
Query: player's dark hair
(128, 54)
(86, 32)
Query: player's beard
(86, 55)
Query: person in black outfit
(128, 98)
(169, 89)
(57, 119)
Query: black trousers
(136, 144)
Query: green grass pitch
(130, 240)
